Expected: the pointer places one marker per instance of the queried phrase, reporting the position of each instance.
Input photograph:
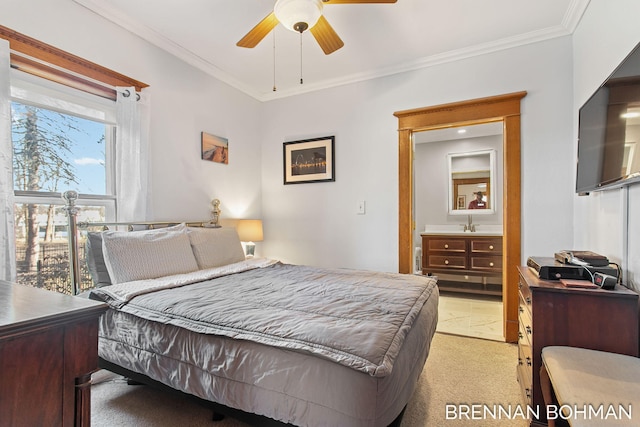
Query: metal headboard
(71, 211)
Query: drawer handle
(528, 300)
(519, 361)
(520, 335)
(521, 309)
(446, 261)
(528, 328)
(529, 361)
(490, 264)
(491, 247)
(528, 393)
(446, 246)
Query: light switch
(361, 207)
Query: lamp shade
(250, 230)
(290, 13)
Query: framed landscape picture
(309, 160)
(215, 148)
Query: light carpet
(459, 372)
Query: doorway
(505, 108)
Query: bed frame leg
(398, 420)
(217, 416)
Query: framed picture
(462, 202)
(215, 148)
(309, 160)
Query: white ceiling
(379, 39)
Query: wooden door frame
(504, 108)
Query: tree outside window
(54, 152)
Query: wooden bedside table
(48, 350)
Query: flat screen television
(609, 131)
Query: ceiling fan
(298, 16)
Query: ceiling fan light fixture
(298, 15)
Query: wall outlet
(361, 207)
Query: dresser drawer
(526, 385)
(525, 359)
(524, 314)
(446, 261)
(487, 245)
(525, 294)
(525, 331)
(490, 263)
(449, 245)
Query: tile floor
(470, 315)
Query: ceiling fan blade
(326, 36)
(357, 1)
(259, 32)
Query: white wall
(431, 185)
(184, 102)
(607, 32)
(317, 223)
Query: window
(62, 140)
(65, 105)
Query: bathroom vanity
(468, 262)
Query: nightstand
(48, 350)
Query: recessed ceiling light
(630, 115)
(462, 131)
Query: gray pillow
(215, 247)
(95, 260)
(149, 254)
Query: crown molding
(569, 23)
(157, 39)
(574, 14)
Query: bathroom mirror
(471, 176)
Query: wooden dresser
(48, 350)
(471, 254)
(552, 314)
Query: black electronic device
(547, 268)
(605, 281)
(582, 258)
(589, 271)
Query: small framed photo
(309, 160)
(215, 148)
(462, 202)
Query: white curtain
(132, 155)
(7, 230)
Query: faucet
(469, 226)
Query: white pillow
(138, 255)
(215, 247)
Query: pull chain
(301, 82)
(274, 61)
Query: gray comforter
(356, 318)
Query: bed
(290, 344)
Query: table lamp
(250, 231)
